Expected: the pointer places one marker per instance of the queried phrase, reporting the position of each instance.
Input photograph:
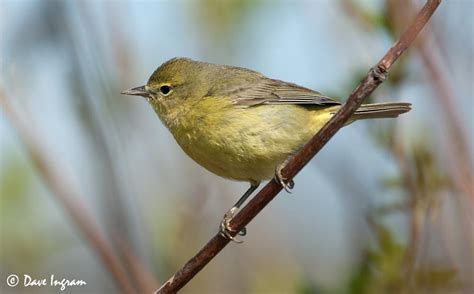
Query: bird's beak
(137, 91)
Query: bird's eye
(165, 89)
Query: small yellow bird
(239, 124)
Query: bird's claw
(225, 229)
(288, 185)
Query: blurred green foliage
(383, 270)
(220, 18)
(27, 244)
(390, 266)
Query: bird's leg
(224, 229)
(285, 183)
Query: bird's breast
(239, 143)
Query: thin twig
(460, 167)
(410, 188)
(67, 196)
(462, 171)
(372, 80)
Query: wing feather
(271, 91)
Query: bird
(238, 123)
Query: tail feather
(381, 110)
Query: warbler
(238, 123)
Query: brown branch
(68, 197)
(372, 80)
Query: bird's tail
(381, 110)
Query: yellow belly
(245, 144)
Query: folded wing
(269, 91)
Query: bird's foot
(225, 229)
(288, 185)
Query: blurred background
(386, 207)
